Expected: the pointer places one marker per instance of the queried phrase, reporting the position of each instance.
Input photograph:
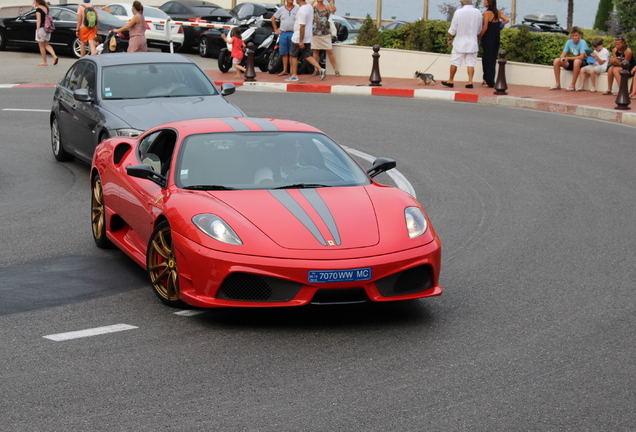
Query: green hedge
(522, 45)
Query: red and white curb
(617, 116)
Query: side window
(74, 76)
(156, 150)
(167, 8)
(88, 79)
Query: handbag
(332, 28)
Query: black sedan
(211, 42)
(195, 11)
(20, 31)
(121, 94)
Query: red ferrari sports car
(252, 212)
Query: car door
(87, 115)
(68, 105)
(65, 23)
(23, 28)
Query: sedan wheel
(3, 41)
(76, 47)
(204, 48)
(98, 215)
(162, 266)
(56, 143)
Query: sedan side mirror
(145, 171)
(381, 165)
(227, 89)
(82, 95)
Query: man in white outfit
(463, 35)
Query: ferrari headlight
(216, 228)
(128, 132)
(416, 223)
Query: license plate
(159, 26)
(351, 275)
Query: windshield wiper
(302, 186)
(209, 187)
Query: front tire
(225, 60)
(60, 154)
(98, 215)
(204, 47)
(161, 264)
(275, 64)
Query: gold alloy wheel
(98, 216)
(162, 265)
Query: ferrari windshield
(138, 81)
(265, 160)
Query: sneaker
(291, 79)
(322, 74)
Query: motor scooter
(264, 41)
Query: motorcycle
(264, 41)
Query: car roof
(229, 125)
(139, 57)
(198, 3)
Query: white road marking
(397, 176)
(28, 110)
(190, 312)
(89, 332)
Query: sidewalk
(584, 104)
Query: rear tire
(98, 215)
(60, 154)
(76, 45)
(204, 47)
(3, 41)
(225, 60)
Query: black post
(250, 74)
(375, 77)
(622, 98)
(501, 85)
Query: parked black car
(20, 31)
(539, 22)
(195, 11)
(121, 94)
(211, 42)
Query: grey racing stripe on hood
(321, 208)
(266, 125)
(294, 208)
(237, 125)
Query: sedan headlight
(216, 228)
(127, 132)
(416, 223)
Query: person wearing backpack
(87, 20)
(42, 36)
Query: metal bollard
(250, 73)
(375, 77)
(501, 85)
(622, 98)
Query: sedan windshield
(265, 160)
(138, 81)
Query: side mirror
(82, 95)
(381, 165)
(227, 89)
(343, 32)
(145, 171)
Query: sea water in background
(412, 10)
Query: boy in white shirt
(597, 62)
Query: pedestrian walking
(238, 48)
(463, 36)
(136, 29)
(42, 34)
(87, 21)
(286, 14)
(301, 41)
(322, 32)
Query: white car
(155, 25)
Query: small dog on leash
(424, 78)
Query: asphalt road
(535, 329)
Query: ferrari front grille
(407, 282)
(255, 288)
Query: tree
(570, 13)
(626, 12)
(605, 8)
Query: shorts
(295, 50)
(597, 68)
(321, 42)
(236, 60)
(458, 58)
(87, 34)
(41, 35)
(284, 42)
(571, 65)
